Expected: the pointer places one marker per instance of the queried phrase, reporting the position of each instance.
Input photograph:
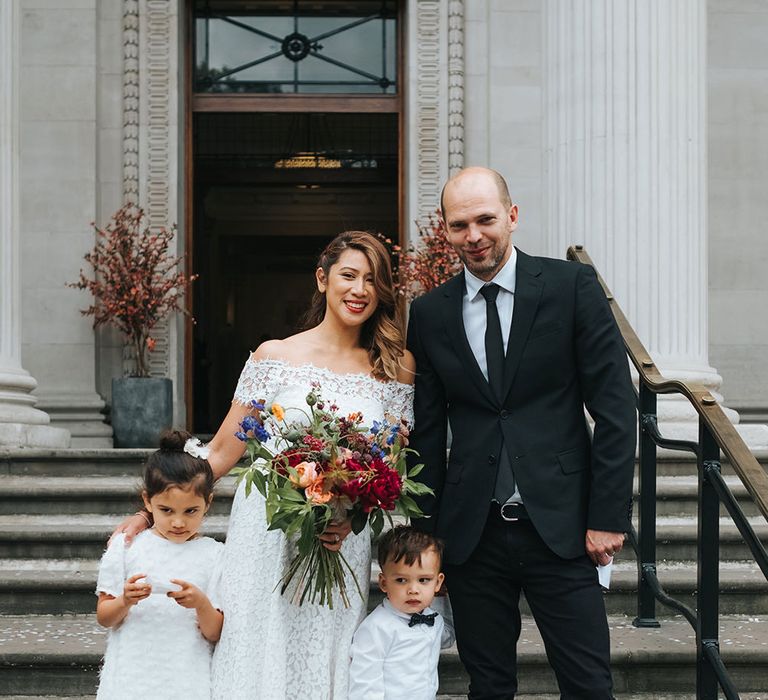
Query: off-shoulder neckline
(327, 371)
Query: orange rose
(306, 473)
(277, 411)
(315, 493)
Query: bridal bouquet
(329, 468)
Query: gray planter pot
(142, 407)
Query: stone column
(625, 158)
(21, 424)
(58, 175)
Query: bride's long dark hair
(382, 334)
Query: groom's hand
(334, 534)
(602, 545)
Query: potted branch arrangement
(136, 283)
(426, 263)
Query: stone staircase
(57, 507)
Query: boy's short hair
(403, 542)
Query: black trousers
(565, 599)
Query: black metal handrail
(716, 434)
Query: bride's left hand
(334, 534)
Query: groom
(510, 352)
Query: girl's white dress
(158, 651)
(272, 649)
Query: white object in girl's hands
(162, 586)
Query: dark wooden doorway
(293, 134)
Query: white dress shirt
(475, 315)
(473, 309)
(392, 661)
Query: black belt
(510, 512)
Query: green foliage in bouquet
(327, 468)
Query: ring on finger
(338, 539)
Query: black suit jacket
(564, 352)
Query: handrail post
(646, 600)
(707, 613)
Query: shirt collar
(505, 278)
(405, 616)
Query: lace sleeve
(260, 379)
(400, 401)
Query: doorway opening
(270, 190)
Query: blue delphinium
(260, 433)
(375, 427)
(249, 423)
(257, 405)
(240, 435)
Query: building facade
(638, 128)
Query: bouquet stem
(317, 574)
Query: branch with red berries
(427, 263)
(136, 281)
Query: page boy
(396, 649)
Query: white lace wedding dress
(270, 648)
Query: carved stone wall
(130, 101)
(150, 132)
(455, 86)
(435, 101)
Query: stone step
(677, 496)
(79, 461)
(109, 462)
(83, 536)
(518, 696)
(45, 655)
(119, 494)
(35, 586)
(81, 495)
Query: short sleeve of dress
(259, 380)
(400, 401)
(111, 579)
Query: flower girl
(156, 596)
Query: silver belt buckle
(509, 518)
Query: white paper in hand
(604, 574)
(161, 586)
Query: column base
(81, 415)
(679, 420)
(21, 423)
(25, 435)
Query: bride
(270, 648)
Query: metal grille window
(296, 46)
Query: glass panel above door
(296, 46)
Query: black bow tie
(419, 619)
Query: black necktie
(494, 356)
(494, 342)
(419, 619)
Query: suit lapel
(454, 323)
(528, 289)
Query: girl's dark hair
(403, 542)
(382, 334)
(171, 466)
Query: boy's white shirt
(392, 661)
